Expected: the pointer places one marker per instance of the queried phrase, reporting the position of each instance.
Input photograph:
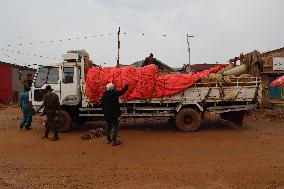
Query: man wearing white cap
(111, 109)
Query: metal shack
(12, 80)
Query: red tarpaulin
(5, 83)
(278, 81)
(144, 82)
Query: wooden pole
(188, 48)
(118, 47)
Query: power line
(43, 42)
(28, 54)
(40, 42)
(14, 60)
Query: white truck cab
(66, 80)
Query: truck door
(70, 88)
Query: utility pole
(118, 47)
(20, 45)
(188, 47)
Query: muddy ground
(151, 156)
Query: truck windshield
(47, 75)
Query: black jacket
(110, 103)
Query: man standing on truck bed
(111, 109)
(51, 105)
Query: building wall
(5, 83)
(267, 59)
(265, 94)
(18, 81)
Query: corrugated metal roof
(272, 51)
(17, 66)
(202, 67)
(178, 69)
(140, 63)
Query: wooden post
(188, 48)
(118, 47)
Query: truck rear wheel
(235, 117)
(188, 119)
(63, 121)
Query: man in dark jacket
(51, 105)
(111, 109)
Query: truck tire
(172, 121)
(63, 121)
(188, 119)
(234, 117)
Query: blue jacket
(24, 100)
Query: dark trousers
(51, 124)
(112, 129)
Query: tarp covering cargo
(144, 82)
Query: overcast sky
(222, 28)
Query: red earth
(153, 155)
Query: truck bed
(237, 91)
(214, 96)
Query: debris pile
(250, 66)
(230, 80)
(275, 114)
(93, 133)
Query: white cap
(110, 86)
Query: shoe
(54, 138)
(28, 128)
(44, 137)
(115, 143)
(108, 140)
(21, 126)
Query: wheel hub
(187, 119)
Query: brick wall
(267, 57)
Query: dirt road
(150, 157)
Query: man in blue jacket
(111, 109)
(26, 108)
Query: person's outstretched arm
(122, 91)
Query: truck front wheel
(63, 121)
(188, 119)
